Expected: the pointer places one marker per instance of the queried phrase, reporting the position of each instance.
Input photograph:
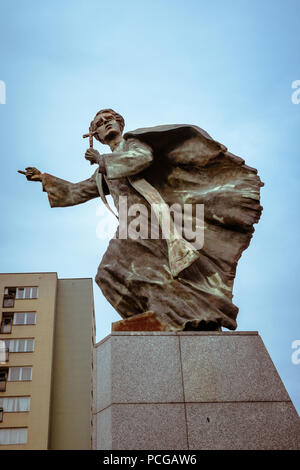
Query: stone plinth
(190, 390)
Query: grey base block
(190, 390)
(243, 426)
(142, 427)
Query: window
(9, 297)
(12, 293)
(19, 345)
(16, 374)
(27, 293)
(15, 404)
(1, 415)
(6, 323)
(25, 318)
(16, 318)
(4, 352)
(13, 436)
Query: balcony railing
(6, 326)
(4, 355)
(8, 301)
(2, 385)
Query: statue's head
(107, 125)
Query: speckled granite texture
(190, 390)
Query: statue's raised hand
(31, 173)
(92, 155)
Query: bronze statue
(181, 285)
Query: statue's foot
(203, 326)
(148, 321)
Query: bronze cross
(90, 136)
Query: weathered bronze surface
(186, 288)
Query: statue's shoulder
(169, 136)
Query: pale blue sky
(226, 66)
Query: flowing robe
(183, 165)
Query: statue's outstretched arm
(62, 193)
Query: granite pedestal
(190, 390)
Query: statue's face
(107, 127)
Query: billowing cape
(190, 167)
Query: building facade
(47, 335)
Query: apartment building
(47, 335)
